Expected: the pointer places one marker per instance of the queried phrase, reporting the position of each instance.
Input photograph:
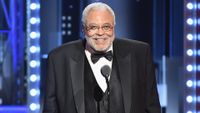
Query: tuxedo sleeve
(152, 100)
(50, 105)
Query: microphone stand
(105, 71)
(108, 89)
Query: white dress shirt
(96, 68)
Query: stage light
(189, 52)
(190, 6)
(63, 17)
(189, 68)
(198, 67)
(70, 6)
(198, 36)
(63, 32)
(33, 78)
(63, 25)
(189, 112)
(69, 18)
(34, 20)
(34, 106)
(198, 98)
(33, 6)
(34, 35)
(33, 63)
(190, 58)
(189, 83)
(198, 83)
(69, 32)
(190, 21)
(69, 25)
(34, 49)
(33, 55)
(189, 99)
(190, 37)
(45, 56)
(198, 5)
(33, 92)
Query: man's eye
(106, 27)
(93, 27)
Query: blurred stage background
(29, 29)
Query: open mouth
(100, 38)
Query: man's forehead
(95, 24)
(99, 12)
(99, 15)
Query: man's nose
(100, 31)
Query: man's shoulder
(130, 46)
(130, 43)
(69, 47)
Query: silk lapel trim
(77, 77)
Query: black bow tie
(96, 56)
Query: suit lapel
(77, 76)
(125, 69)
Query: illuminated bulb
(189, 68)
(63, 32)
(198, 36)
(198, 52)
(189, 111)
(33, 49)
(69, 25)
(33, 92)
(198, 6)
(198, 98)
(63, 25)
(63, 17)
(33, 107)
(33, 20)
(33, 63)
(189, 83)
(33, 78)
(190, 6)
(69, 18)
(69, 32)
(189, 52)
(190, 21)
(198, 83)
(33, 35)
(189, 99)
(190, 37)
(33, 6)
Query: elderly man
(77, 81)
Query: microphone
(105, 71)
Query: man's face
(99, 30)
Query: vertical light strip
(33, 55)
(190, 68)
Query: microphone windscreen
(105, 71)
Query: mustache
(100, 37)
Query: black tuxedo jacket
(65, 79)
